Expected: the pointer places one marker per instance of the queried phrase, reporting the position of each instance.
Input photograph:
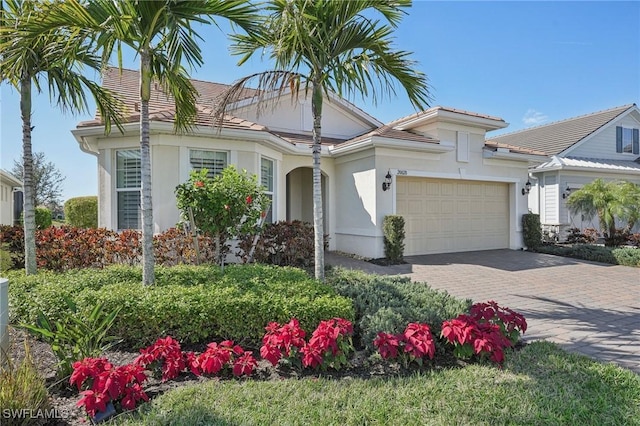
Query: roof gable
(559, 136)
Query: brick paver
(589, 308)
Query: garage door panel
(450, 215)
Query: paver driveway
(586, 307)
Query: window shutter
(618, 139)
(636, 141)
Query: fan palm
(56, 58)
(323, 46)
(163, 36)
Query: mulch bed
(64, 399)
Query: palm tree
(322, 46)
(162, 34)
(29, 58)
(607, 201)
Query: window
(213, 161)
(266, 179)
(627, 140)
(128, 185)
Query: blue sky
(528, 62)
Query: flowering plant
(282, 341)
(104, 383)
(486, 331)
(414, 344)
(328, 346)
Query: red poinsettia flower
(199, 184)
(245, 364)
(249, 199)
(387, 345)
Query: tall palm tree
(30, 58)
(163, 36)
(322, 46)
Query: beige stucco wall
(363, 204)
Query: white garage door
(445, 216)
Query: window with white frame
(627, 140)
(213, 161)
(266, 179)
(128, 186)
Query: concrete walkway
(589, 308)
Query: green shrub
(82, 212)
(393, 230)
(21, 387)
(387, 304)
(194, 304)
(43, 218)
(531, 230)
(627, 256)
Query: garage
(445, 215)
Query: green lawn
(539, 385)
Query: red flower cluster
(167, 355)
(487, 330)
(328, 346)
(285, 340)
(198, 184)
(329, 343)
(106, 384)
(414, 343)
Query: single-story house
(456, 191)
(603, 144)
(10, 198)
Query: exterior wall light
(387, 181)
(527, 188)
(566, 192)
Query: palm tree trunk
(30, 264)
(318, 225)
(148, 276)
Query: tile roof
(387, 131)
(303, 139)
(125, 83)
(512, 148)
(442, 108)
(556, 137)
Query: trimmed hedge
(531, 230)
(388, 303)
(194, 304)
(393, 230)
(627, 256)
(82, 212)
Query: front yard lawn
(539, 385)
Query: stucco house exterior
(603, 144)
(10, 198)
(456, 191)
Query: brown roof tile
(512, 148)
(556, 137)
(387, 131)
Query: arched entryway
(300, 196)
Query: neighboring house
(10, 199)
(603, 144)
(456, 192)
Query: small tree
(229, 205)
(47, 180)
(609, 201)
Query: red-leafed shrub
(486, 331)
(67, 247)
(285, 243)
(328, 347)
(413, 345)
